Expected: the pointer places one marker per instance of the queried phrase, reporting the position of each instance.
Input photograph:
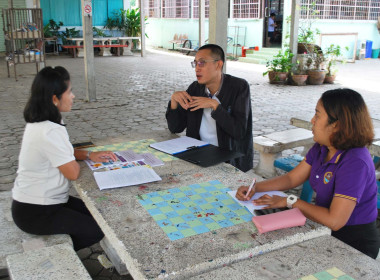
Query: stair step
(252, 60)
(260, 56)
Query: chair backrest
(184, 36)
(175, 37)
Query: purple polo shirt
(350, 174)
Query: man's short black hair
(272, 14)
(216, 51)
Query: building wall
(366, 30)
(161, 31)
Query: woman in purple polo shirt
(340, 170)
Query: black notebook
(207, 155)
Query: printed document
(125, 177)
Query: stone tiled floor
(132, 95)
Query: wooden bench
(14, 241)
(75, 47)
(271, 145)
(59, 262)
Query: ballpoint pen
(251, 187)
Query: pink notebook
(283, 219)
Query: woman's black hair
(48, 82)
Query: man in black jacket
(216, 108)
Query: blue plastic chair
(287, 164)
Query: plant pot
(299, 80)
(277, 77)
(329, 79)
(316, 77)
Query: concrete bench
(14, 241)
(271, 145)
(75, 47)
(288, 164)
(59, 262)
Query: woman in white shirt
(41, 202)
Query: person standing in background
(271, 26)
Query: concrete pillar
(36, 4)
(142, 22)
(88, 46)
(218, 23)
(202, 16)
(294, 25)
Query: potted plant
(97, 32)
(70, 33)
(332, 54)
(279, 67)
(51, 30)
(125, 21)
(298, 75)
(316, 74)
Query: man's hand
(182, 98)
(202, 103)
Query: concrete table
(375, 148)
(300, 260)
(147, 251)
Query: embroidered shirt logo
(327, 177)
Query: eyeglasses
(202, 63)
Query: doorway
(272, 35)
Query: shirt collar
(217, 92)
(336, 157)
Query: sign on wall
(87, 8)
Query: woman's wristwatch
(290, 200)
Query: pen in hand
(251, 187)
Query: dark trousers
(364, 238)
(71, 218)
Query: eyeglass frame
(203, 62)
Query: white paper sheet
(250, 206)
(125, 177)
(151, 160)
(178, 145)
(129, 155)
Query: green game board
(194, 209)
(139, 147)
(329, 274)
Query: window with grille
(152, 8)
(246, 8)
(340, 9)
(196, 8)
(176, 8)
